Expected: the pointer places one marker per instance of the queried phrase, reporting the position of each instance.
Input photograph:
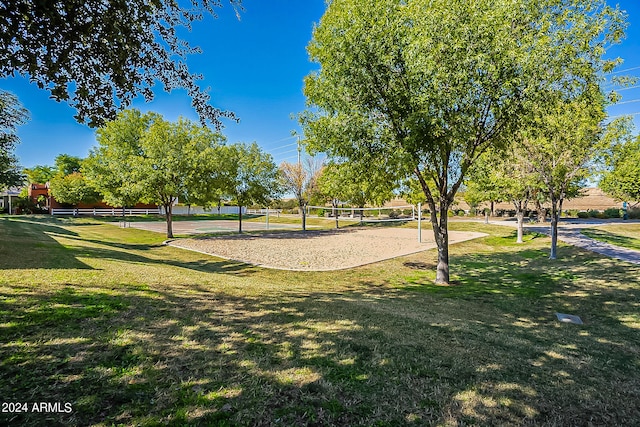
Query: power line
(625, 102)
(283, 146)
(280, 140)
(628, 88)
(625, 70)
(622, 115)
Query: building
(8, 198)
(39, 195)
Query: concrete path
(571, 232)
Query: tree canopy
(12, 115)
(142, 157)
(248, 176)
(429, 85)
(72, 189)
(621, 178)
(98, 56)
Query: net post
(419, 222)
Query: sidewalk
(570, 232)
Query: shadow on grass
(192, 356)
(31, 245)
(27, 244)
(612, 238)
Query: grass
(131, 332)
(625, 235)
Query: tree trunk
(493, 213)
(168, 214)
(520, 216)
(239, 219)
(520, 209)
(303, 212)
(441, 234)
(554, 228)
(334, 204)
(542, 212)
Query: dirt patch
(319, 250)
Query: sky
(255, 67)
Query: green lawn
(130, 332)
(625, 235)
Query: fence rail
(263, 211)
(106, 212)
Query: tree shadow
(612, 238)
(27, 244)
(189, 355)
(43, 251)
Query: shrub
(461, 212)
(393, 214)
(633, 213)
(320, 212)
(612, 213)
(593, 213)
(407, 212)
(450, 213)
(583, 215)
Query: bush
(612, 213)
(583, 215)
(393, 214)
(573, 213)
(593, 213)
(450, 213)
(407, 212)
(633, 213)
(320, 212)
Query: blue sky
(255, 67)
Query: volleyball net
(379, 214)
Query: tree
(12, 115)
(39, 174)
(300, 180)
(429, 85)
(66, 164)
(564, 136)
(621, 177)
(72, 189)
(99, 56)
(108, 167)
(355, 184)
(145, 158)
(249, 176)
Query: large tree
(248, 176)
(12, 115)
(621, 177)
(40, 174)
(431, 84)
(156, 161)
(99, 55)
(560, 145)
(72, 189)
(356, 184)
